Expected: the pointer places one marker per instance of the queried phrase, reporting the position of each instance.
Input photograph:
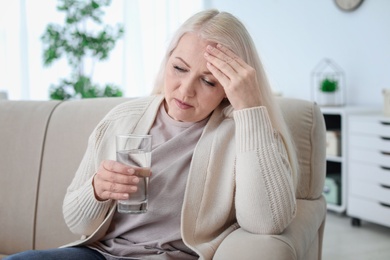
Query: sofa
(42, 143)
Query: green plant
(78, 44)
(328, 85)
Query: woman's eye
(209, 83)
(180, 69)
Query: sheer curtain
(133, 64)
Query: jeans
(69, 253)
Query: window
(133, 63)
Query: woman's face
(191, 91)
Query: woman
(222, 156)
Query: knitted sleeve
(83, 213)
(265, 194)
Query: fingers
(229, 56)
(225, 65)
(218, 74)
(114, 166)
(238, 78)
(224, 59)
(108, 190)
(114, 180)
(109, 185)
(218, 60)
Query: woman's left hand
(237, 77)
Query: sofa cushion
(22, 131)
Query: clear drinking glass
(135, 150)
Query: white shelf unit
(336, 120)
(369, 169)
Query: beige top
(157, 232)
(239, 177)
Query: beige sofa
(42, 143)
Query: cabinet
(336, 163)
(369, 168)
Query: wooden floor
(342, 241)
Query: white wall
(293, 36)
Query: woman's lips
(182, 105)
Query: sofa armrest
(243, 245)
(300, 240)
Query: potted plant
(328, 89)
(328, 85)
(78, 44)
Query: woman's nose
(187, 87)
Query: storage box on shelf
(333, 146)
(332, 189)
(369, 169)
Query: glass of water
(135, 151)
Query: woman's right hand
(116, 181)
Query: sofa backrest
(22, 133)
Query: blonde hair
(224, 28)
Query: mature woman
(222, 156)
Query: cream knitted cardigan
(239, 177)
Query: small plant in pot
(328, 88)
(329, 85)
